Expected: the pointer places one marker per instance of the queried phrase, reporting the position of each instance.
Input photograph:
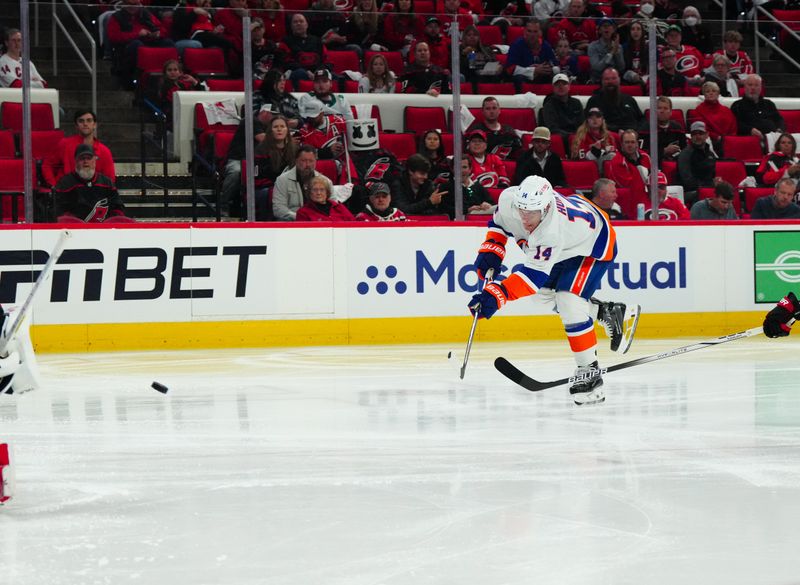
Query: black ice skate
(619, 322)
(587, 385)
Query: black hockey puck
(160, 387)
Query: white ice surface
(377, 466)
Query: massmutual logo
(444, 273)
(777, 264)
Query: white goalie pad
(19, 371)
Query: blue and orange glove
(490, 256)
(776, 323)
(487, 302)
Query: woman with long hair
(593, 140)
(276, 99)
(477, 59)
(401, 27)
(364, 24)
(635, 53)
(782, 163)
(431, 146)
(378, 78)
(274, 155)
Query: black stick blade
(514, 374)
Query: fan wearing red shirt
(486, 169)
(62, 160)
(669, 208)
(320, 206)
(630, 167)
(719, 119)
(575, 27)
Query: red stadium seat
(12, 188)
(150, 64)
(304, 86)
(393, 58)
(744, 148)
(557, 146)
(513, 33)
(494, 193)
(467, 89)
(478, 217)
(208, 62)
(420, 119)
(222, 143)
(581, 174)
(578, 89)
(225, 84)
(732, 171)
(447, 141)
(792, 119)
(496, 89)
(203, 130)
(511, 167)
(751, 194)
(424, 8)
(44, 142)
(350, 86)
(8, 149)
(626, 202)
(342, 61)
(491, 35)
(329, 168)
(538, 88)
(631, 89)
(706, 192)
(428, 217)
(401, 145)
(41, 116)
(522, 119)
(670, 169)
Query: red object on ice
(6, 477)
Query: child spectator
(174, 79)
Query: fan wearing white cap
(569, 244)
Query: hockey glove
(486, 303)
(490, 255)
(776, 323)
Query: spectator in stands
(327, 22)
(783, 163)
(422, 76)
(273, 16)
(741, 64)
(262, 50)
(475, 197)
(669, 208)
(305, 50)
(544, 10)
(694, 32)
(604, 196)
(272, 97)
(292, 186)
(697, 163)
(451, 10)
(401, 27)
(378, 78)
(540, 160)
(646, 15)
(363, 27)
(273, 156)
(622, 14)
(756, 115)
(630, 167)
(530, 59)
(324, 132)
(438, 44)
(720, 206)
(11, 63)
(689, 59)
(379, 207)
(619, 109)
(606, 51)
(231, 19)
(174, 79)
(719, 119)
(230, 197)
(62, 159)
(561, 112)
(131, 27)
(502, 139)
(593, 140)
(319, 206)
(576, 27)
(567, 61)
(779, 205)
(671, 134)
(720, 73)
(635, 54)
(478, 62)
(503, 13)
(431, 147)
(332, 103)
(486, 168)
(415, 193)
(85, 195)
(192, 26)
(670, 81)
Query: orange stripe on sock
(583, 341)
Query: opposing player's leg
(619, 322)
(576, 314)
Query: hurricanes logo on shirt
(687, 63)
(488, 179)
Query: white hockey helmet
(535, 193)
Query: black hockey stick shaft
(514, 374)
(487, 280)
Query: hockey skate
(587, 385)
(619, 321)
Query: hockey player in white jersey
(569, 244)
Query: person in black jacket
(87, 196)
(415, 194)
(779, 205)
(620, 110)
(756, 115)
(697, 163)
(561, 112)
(540, 160)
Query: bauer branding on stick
(160, 387)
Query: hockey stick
(20, 315)
(515, 375)
(487, 280)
